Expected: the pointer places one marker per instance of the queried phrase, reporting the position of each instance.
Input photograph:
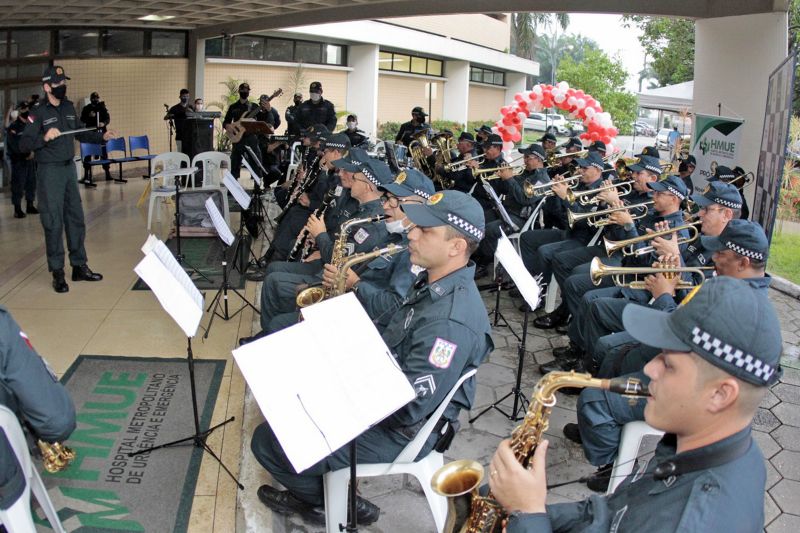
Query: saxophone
(317, 293)
(458, 481)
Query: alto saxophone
(317, 293)
(458, 481)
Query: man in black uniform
(462, 179)
(269, 151)
(481, 134)
(95, 115)
(59, 199)
(23, 171)
(686, 169)
(357, 137)
(407, 129)
(316, 110)
(29, 388)
(177, 114)
(242, 108)
(292, 126)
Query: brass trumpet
(597, 219)
(516, 172)
(598, 271)
(745, 179)
(628, 246)
(590, 197)
(55, 456)
(545, 189)
(457, 166)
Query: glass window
(214, 47)
(401, 63)
(385, 60)
(475, 74)
(434, 67)
(498, 78)
(171, 43)
(3, 47)
(30, 70)
(78, 42)
(305, 52)
(334, 54)
(248, 47)
(29, 44)
(279, 50)
(488, 76)
(419, 65)
(123, 43)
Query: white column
(456, 91)
(362, 86)
(515, 83)
(197, 66)
(733, 59)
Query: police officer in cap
(59, 199)
(358, 138)
(548, 141)
(462, 179)
(23, 170)
(736, 177)
(408, 129)
(720, 353)
(686, 169)
(242, 108)
(291, 115)
(440, 332)
(481, 136)
(316, 110)
(95, 114)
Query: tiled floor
(109, 318)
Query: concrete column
(734, 57)
(197, 66)
(362, 86)
(515, 83)
(456, 92)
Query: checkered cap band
(676, 192)
(653, 169)
(335, 145)
(726, 176)
(597, 165)
(370, 176)
(464, 225)
(727, 203)
(421, 193)
(752, 254)
(729, 354)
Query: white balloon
(572, 101)
(521, 115)
(508, 146)
(563, 86)
(537, 89)
(495, 130)
(536, 107)
(560, 98)
(581, 103)
(590, 113)
(511, 130)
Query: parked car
(662, 139)
(548, 122)
(576, 128)
(644, 129)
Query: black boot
(31, 209)
(559, 317)
(59, 283)
(600, 480)
(18, 211)
(84, 273)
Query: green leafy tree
(670, 42)
(604, 78)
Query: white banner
(715, 142)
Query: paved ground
(402, 503)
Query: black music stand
(497, 287)
(258, 209)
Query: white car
(662, 138)
(550, 123)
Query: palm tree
(524, 32)
(553, 47)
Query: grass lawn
(784, 256)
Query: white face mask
(315, 97)
(352, 125)
(198, 107)
(14, 114)
(395, 226)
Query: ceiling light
(156, 18)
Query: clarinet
(302, 242)
(308, 180)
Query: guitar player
(242, 108)
(270, 151)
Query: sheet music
(220, 225)
(512, 262)
(318, 384)
(252, 172)
(171, 285)
(500, 207)
(238, 192)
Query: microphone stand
(170, 127)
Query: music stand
(259, 211)
(170, 126)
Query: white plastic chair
(552, 287)
(336, 482)
(632, 435)
(18, 518)
(294, 161)
(213, 164)
(166, 167)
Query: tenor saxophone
(458, 481)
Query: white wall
(456, 91)
(734, 57)
(362, 86)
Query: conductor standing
(57, 187)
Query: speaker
(199, 136)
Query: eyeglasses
(394, 201)
(711, 208)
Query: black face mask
(95, 102)
(298, 101)
(244, 94)
(184, 99)
(683, 167)
(59, 92)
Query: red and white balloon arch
(598, 123)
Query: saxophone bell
(55, 456)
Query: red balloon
(585, 136)
(606, 139)
(594, 136)
(506, 137)
(507, 120)
(517, 137)
(614, 132)
(515, 119)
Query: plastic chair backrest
(412, 449)
(90, 149)
(116, 145)
(139, 142)
(212, 164)
(169, 161)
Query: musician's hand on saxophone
(664, 245)
(560, 187)
(516, 488)
(315, 226)
(620, 217)
(660, 284)
(329, 273)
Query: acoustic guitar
(237, 129)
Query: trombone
(598, 219)
(457, 166)
(628, 246)
(590, 197)
(598, 271)
(745, 179)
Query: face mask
(244, 94)
(95, 102)
(683, 167)
(316, 97)
(298, 101)
(351, 125)
(59, 92)
(395, 226)
(14, 114)
(199, 107)
(184, 99)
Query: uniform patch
(350, 248)
(338, 190)
(424, 386)
(50, 120)
(361, 236)
(442, 353)
(437, 289)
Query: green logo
(705, 146)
